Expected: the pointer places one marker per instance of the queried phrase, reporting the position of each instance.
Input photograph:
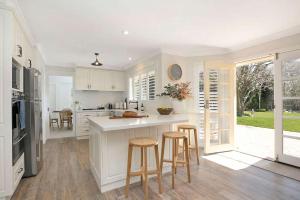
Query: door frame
(278, 95)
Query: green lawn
(266, 120)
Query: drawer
(18, 171)
(83, 131)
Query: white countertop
(102, 110)
(106, 124)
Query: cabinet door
(118, 81)
(97, 78)
(28, 54)
(82, 79)
(18, 50)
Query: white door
(219, 108)
(287, 102)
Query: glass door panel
(288, 131)
(218, 109)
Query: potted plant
(178, 92)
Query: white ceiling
(70, 31)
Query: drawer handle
(20, 170)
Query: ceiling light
(129, 58)
(125, 32)
(96, 63)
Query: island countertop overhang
(106, 124)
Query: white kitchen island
(109, 146)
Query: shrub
(261, 110)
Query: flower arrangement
(179, 91)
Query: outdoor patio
(260, 141)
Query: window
(136, 88)
(201, 99)
(143, 87)
(151, 85)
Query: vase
(179, 106)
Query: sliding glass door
(287, 101)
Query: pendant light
(96, 63)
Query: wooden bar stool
(175, 136)
(187, 129)
(143, 143)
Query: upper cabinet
(99, 80)
(19, 38)
(22, 51)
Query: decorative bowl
(164, 111)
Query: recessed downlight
(130, 58)
(125, 32)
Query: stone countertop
(106, 124)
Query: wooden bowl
(129, 114)
(164, 111)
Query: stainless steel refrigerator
(33, 142)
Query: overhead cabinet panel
(82, 79)
(99, 80)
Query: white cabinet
(22, 49)
(82, 126)
(82, 79)
(18, 171)
(28, 54)
(119, 81)
(18, 49)
(99, 80)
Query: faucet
(137, 104)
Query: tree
(251, 80)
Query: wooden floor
(66, 175)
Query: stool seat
(186, 126)
(174, 134)
(143, 142)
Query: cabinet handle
(30, 63)
(20, 51)
(20, 170)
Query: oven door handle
(16, 142)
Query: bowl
(164, 111)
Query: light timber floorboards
(66, 175)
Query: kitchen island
(109, 145)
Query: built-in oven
(18, 127)
(17, 76)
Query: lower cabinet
(18, 171)
(82, 127)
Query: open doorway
(60, 108)
(255, 132)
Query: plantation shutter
(201, 100)
(144, 87)
(151, 85)
(136, 88)
(213, 90)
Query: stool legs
(145, 173)
(128, 170)
(157, 168)
(142, 163)
(173, 161)
(196, 145)
(162, 153)
(187, 159)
